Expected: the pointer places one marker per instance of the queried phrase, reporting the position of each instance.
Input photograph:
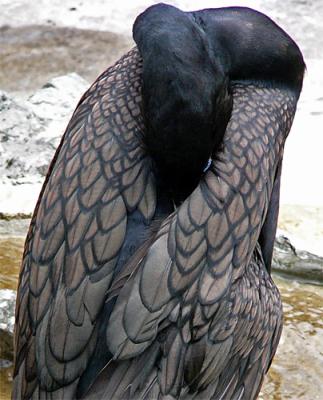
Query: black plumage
(143, 276)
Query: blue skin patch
(208, 164)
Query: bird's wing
(194, 279)
(99, 177)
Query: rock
(31, 130)
(303, 225)
(7, 321)
(13, 227)
(18, 126)
(296, 263)
(29, 134)
(58, 97)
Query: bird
(146, 271)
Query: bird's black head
(186, 99)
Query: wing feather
(99, 175)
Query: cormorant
(146, 269)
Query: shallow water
(297, 371)
(10, 260)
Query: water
(10, 259)
(296, 372)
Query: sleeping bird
(146, 268)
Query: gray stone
(57, 98)
(7, 321)
(14, 227)
(30, 132)
(287, 260)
